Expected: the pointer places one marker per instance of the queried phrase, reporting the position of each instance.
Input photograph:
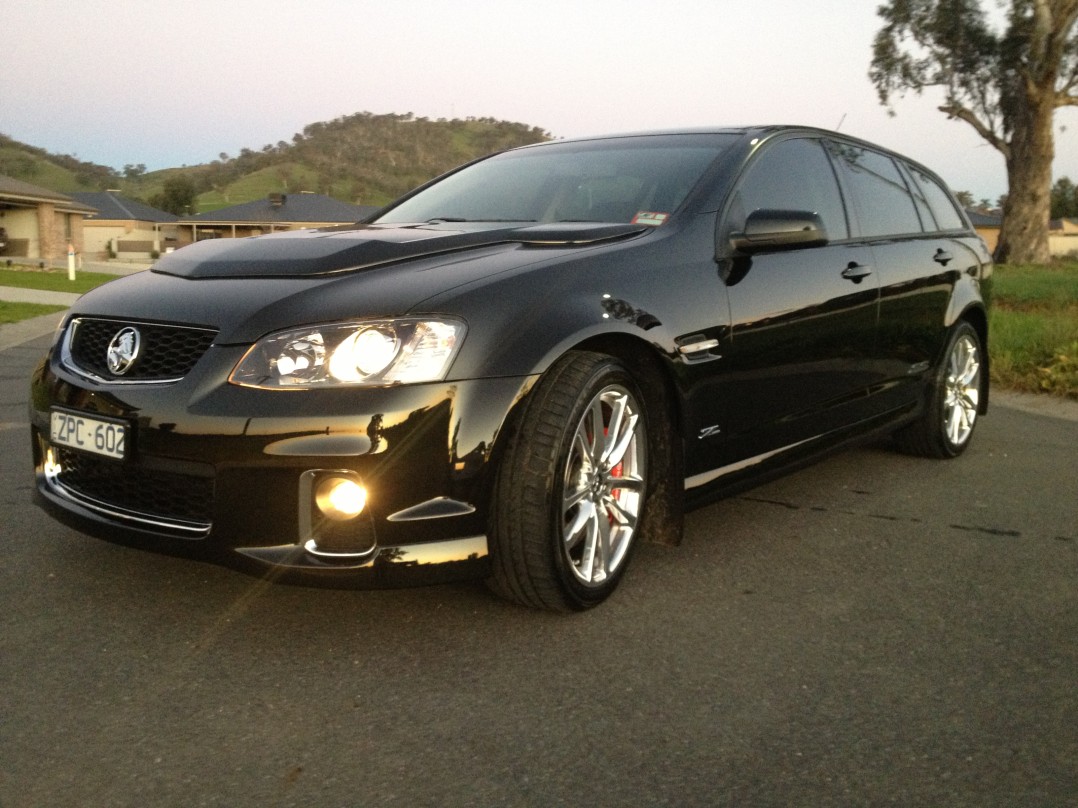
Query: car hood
(246, 288)
(305, 253)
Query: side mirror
(772, 230)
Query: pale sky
(169, 84)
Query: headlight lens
(377, 352)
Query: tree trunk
(1023, 238)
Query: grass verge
(1033, 328)
(53, 280)
(16, 312)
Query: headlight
(375, 352)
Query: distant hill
(57, 172)
(364, 159)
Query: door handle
(942, 257)
(856, 272)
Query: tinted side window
(794, 175)
(928, 220)
(882, 200)
(946, 215)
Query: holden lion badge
(123, 350)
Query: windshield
(617, 180)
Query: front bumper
(226, 473)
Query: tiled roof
(980, 219)
(297, 208)
(27, 192)
(113, 206)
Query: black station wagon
(524, 368)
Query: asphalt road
(874, 630)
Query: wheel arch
(663, 517)
(664, 511)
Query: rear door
(918, 259)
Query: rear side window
(944, 212)
(793, 175)
(882, 200)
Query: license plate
(107, 438)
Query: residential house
(39, 224)
(123, 228)
(987, 224)
(1063, 237)
(1062, 233)
(275, 212)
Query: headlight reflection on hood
(376, 352)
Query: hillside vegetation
(364, 159)
(57, 172)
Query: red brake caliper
(617, 471)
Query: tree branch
(964, 114)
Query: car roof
(746, 132)
(755, 130)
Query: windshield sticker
(650, 218)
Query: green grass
(41, 171)
(1036, 287)
(53, 280)
(285, 178)
(16, 312)
(1033, 328)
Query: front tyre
(946, 427)
(571, 486)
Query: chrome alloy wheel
(962, 390)
(603, 485)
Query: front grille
(182, 502)
(167, 352)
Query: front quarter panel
(653, 290)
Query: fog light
(340, 498)
(51, 467)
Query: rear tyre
(945, 428)
(571, 487)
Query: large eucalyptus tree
(1004, 79)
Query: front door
(803, 321)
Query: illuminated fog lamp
(340, 498)
(51, 465)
